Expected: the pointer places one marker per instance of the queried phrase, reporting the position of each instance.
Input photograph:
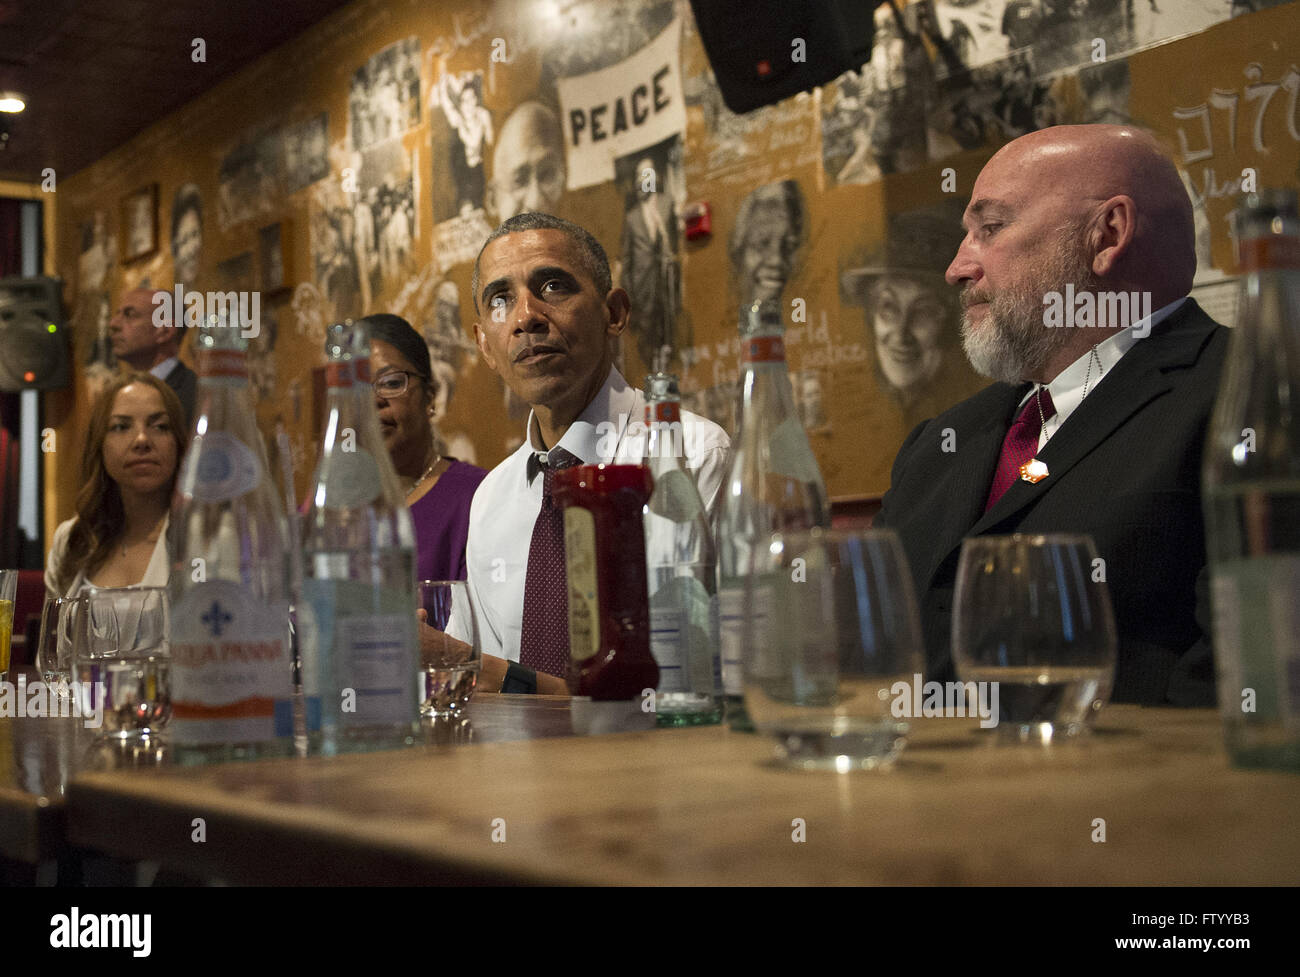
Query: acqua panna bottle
(774, 485)
(232, 679)
(681, 570)
(357, 622)
(1252, 495)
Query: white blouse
(154, 576)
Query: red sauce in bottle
(609, 613)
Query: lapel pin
(1033, 471)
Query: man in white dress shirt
(547, 312)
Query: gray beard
(1013, 344)
(1010, 346)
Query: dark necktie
(1020, 445)
(544, 641)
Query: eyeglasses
(394, 383)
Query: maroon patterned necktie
(1021, 444)
(544, 641)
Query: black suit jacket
(1125, 469)
(186, 384)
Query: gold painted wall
(864, 151)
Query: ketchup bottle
(609, 613)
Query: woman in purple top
(438, 489)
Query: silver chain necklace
(1087, 381)
(1034, 470)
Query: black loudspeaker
(755, 51)
(33, 341)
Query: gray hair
(594, 260)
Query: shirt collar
(163, 370)
(608, 412)
(1081, 377)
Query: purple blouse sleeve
(441, 519)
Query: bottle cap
(662, 386)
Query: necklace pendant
(1033, 471)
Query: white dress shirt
(164, 369)
(507, 502)
(1079, 379)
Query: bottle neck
(665, 445)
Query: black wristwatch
(519, 680)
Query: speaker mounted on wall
(33, 341)
(762, 53)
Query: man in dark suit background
(143, 345)
(1117, 412)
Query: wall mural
(385, 143)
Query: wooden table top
(37, 758)
(40, 756)
(707, 806)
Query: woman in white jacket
(118, 537)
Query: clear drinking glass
(126, 663)
(1032, 613)
(840, 629)
(451, 665)
(8, 590)
(63, 631)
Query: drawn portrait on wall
(384, 95)
(187, 233)
(651, 267)
(460, 98)
(765, 241)
(306, 153)
(528, 163)
(913, 316)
